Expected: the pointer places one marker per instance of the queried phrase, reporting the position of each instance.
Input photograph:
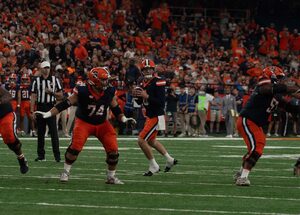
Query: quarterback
(151, 93)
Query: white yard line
(266, 147)
(140, 208)
(152, 193)
(97, 177)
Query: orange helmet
(273, 72)
(147, 68)
(25, 79)
(147, 63)
(12, 78)
(98, 77)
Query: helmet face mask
(148, 72)
(12, 79)
(25, 80)
(148, 68)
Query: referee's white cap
(45, 64)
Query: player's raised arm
(116, 110)
(60, 106)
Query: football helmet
(147, 68)
(98, 77)
(12, 79)
(25, 79)
(274, 73)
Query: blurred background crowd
(202, 53)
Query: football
(135, 93)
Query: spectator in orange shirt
(119, 19)
(156, 22)
(80, 52)
(165, 14)
(264, 46)
(295, 42)
(284, 36)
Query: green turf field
(200, 184)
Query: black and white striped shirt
(39, 86)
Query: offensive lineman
(93, 99)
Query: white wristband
(124, 119)
(47, 114)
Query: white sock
(153, 165)
(67, 167)
(168, 157)
(241, 169)
(111, 173)
(245, 173)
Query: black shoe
(23, 165)
(39, 159)
(57, 160)
(149, 173)
(169, 166)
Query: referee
(44, 90)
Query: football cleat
(242, 181)
(169, 165)
(297, 171)
(39, 159)
(150, 173)
(236, 176)
(23, 165)
(64, 177)
(113, 180)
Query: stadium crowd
(203, 60)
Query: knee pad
(71, 155)
(15, 147)
(112, 158)
(252, 159)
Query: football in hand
(137, 92)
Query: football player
(93, 99)
(151, 93)
(267, 95)
(8, 121)
(24, 101)
(12, 88)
